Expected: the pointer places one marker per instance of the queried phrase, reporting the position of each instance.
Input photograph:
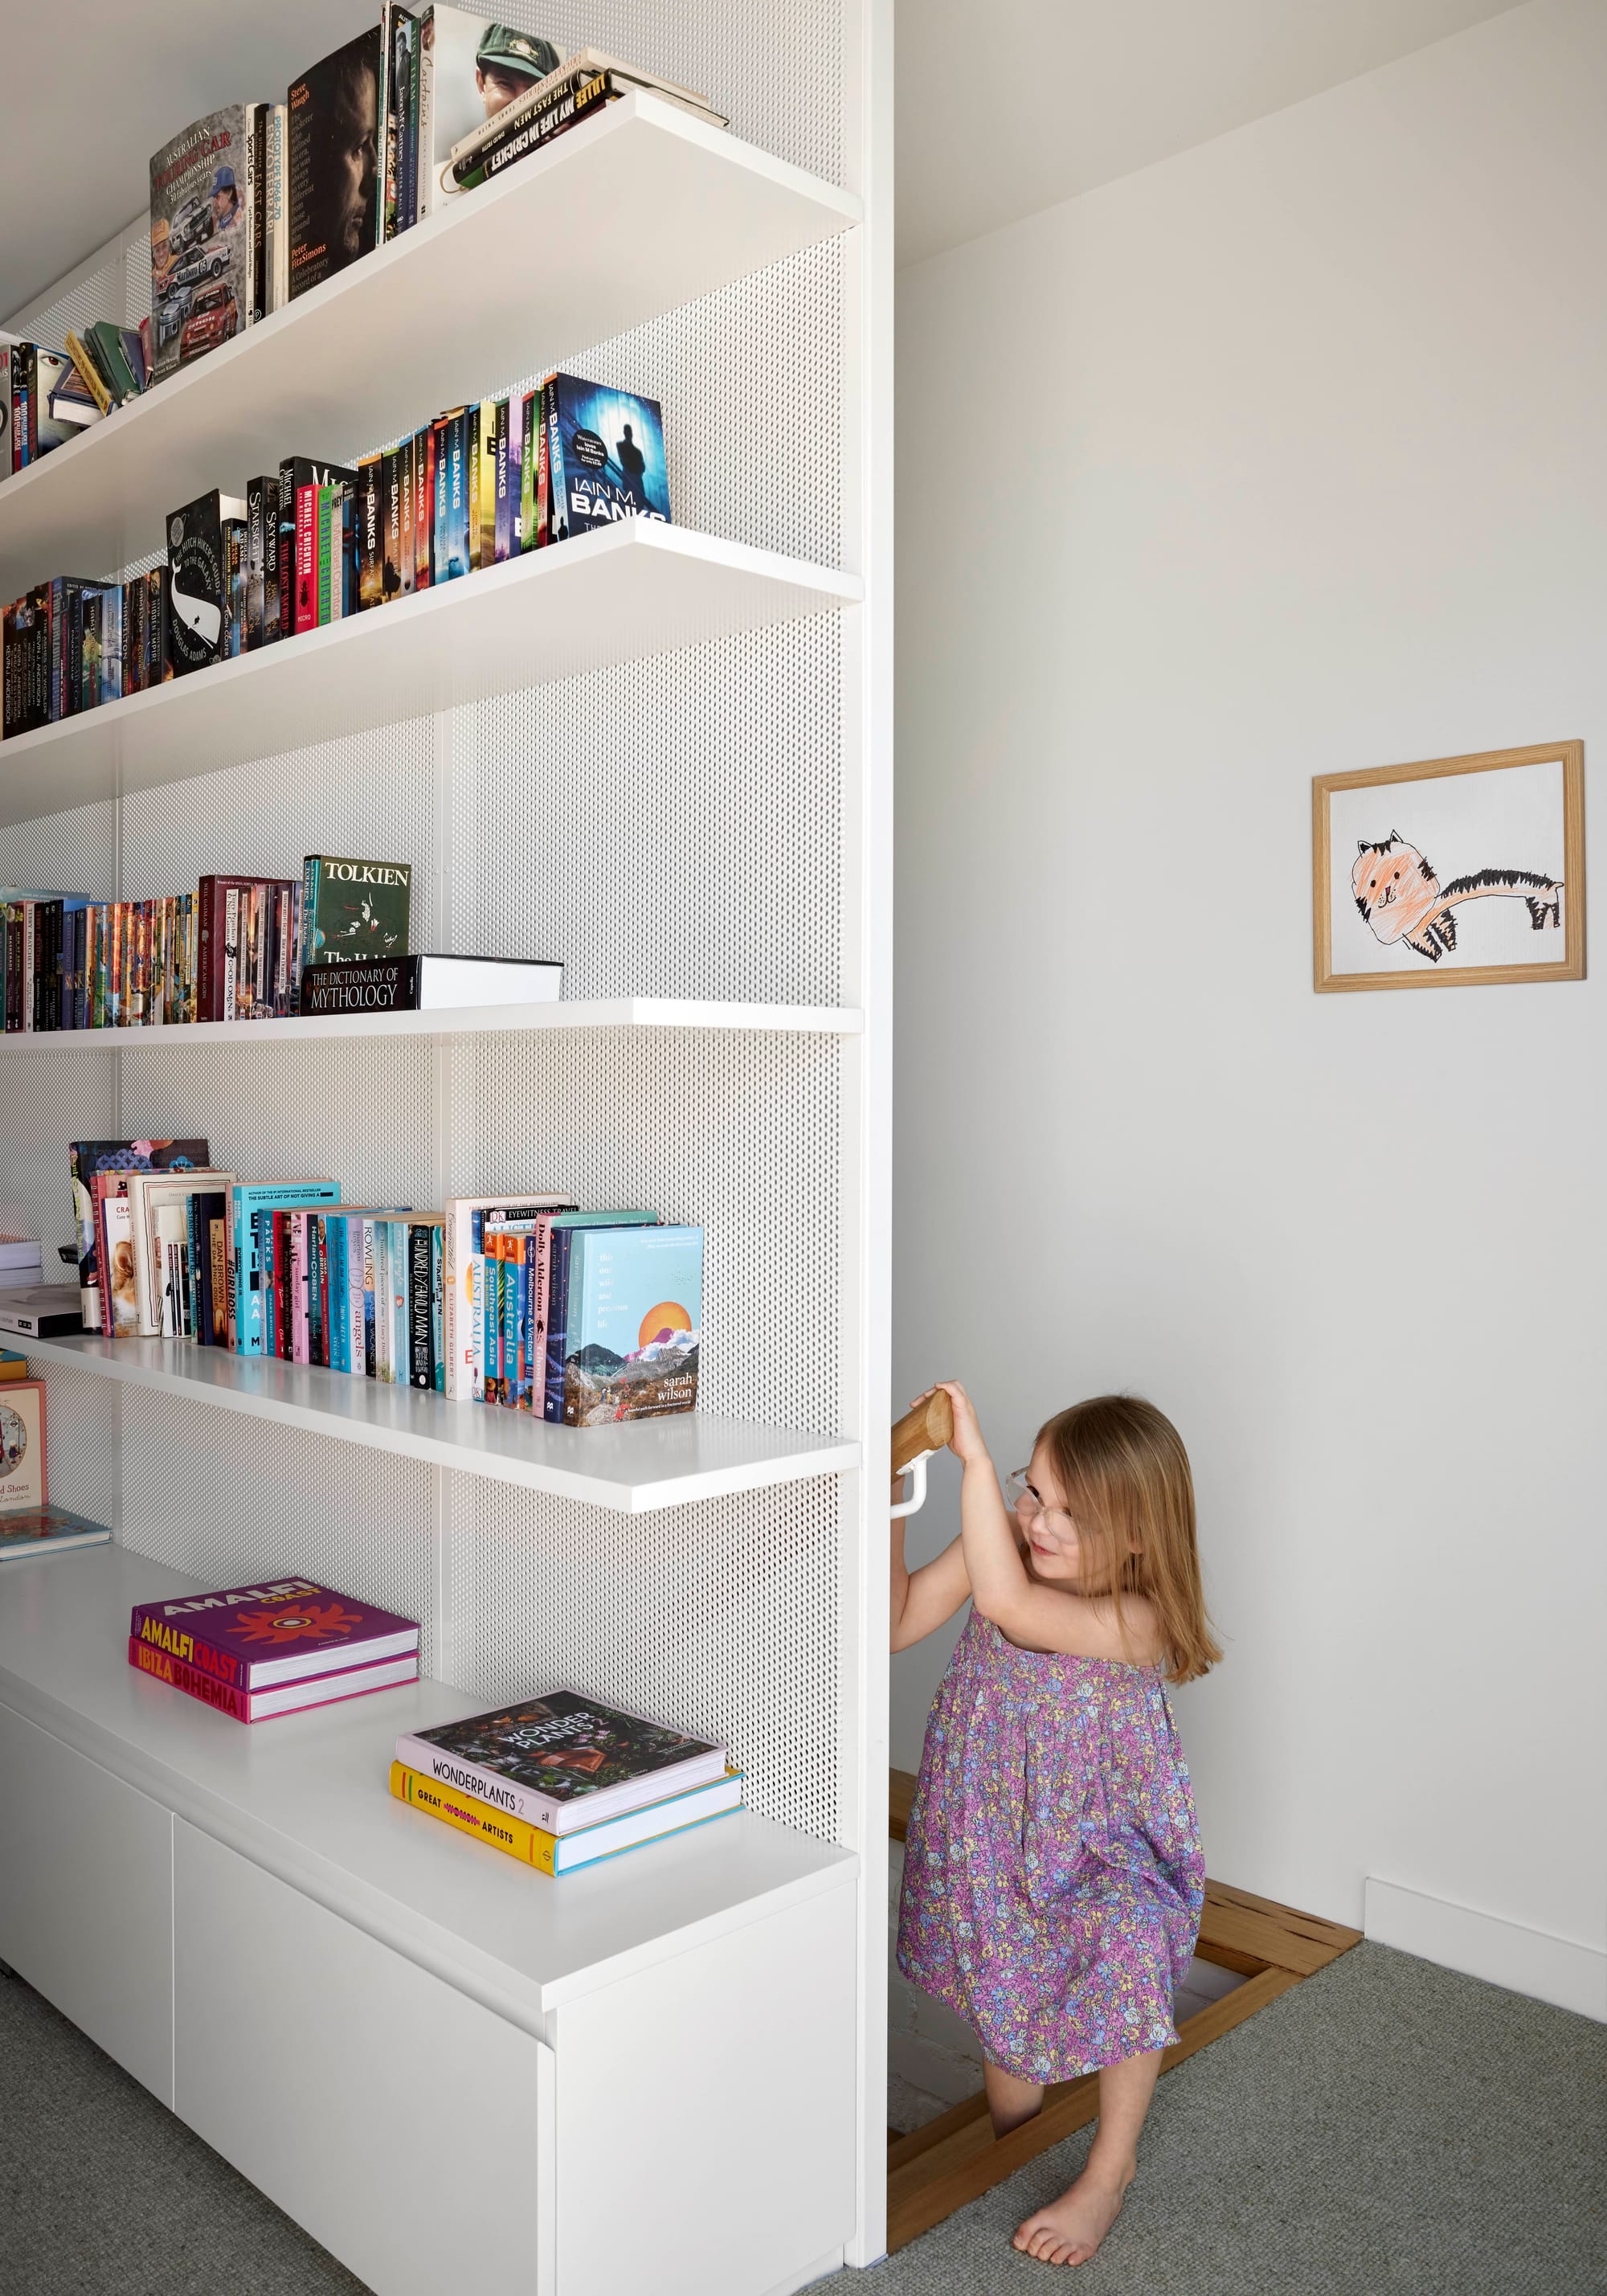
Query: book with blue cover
(250, 1200)
(634, 1316)
(606, 454)
(564, 1229)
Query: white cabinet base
(86, 1897)
(408, 2128)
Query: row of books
(580, 1318)
(317, 542)
(48, 397)
(237, 948)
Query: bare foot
(1070, 2230)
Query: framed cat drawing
(1502, 899)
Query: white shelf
(306, 1796)
(582, 1013)
(633, 1469)
(638, 211)
(637, 588)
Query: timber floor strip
(954, 2159)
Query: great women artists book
(286, 1630)
(588, 1845)
(563, 1760)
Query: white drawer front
(408, 2128)
(87, 1896)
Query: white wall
(1285, 457)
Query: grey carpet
(1386, 2127)
(102, 2193)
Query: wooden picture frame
(1427, 925)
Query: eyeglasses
(1054, 1521)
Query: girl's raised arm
(923, 1600)
(1037, 1617)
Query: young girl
(1053, 1877)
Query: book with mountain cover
(634, 1314)
(563, 1760)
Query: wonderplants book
(563, 1760)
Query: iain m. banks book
(606, 453)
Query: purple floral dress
(1053, 1878)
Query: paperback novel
(606, 456)
(198, 570)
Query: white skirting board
(1482, 1944)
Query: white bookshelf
(561, 1017)
(626, 216)
(664, 756)
(636, 589)
(634, 1469)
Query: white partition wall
(693, 806)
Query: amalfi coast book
(284, 1630)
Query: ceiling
(90, 88)
(1005, 109)
(1001, 111)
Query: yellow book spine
(515, 1837)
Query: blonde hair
(1127, 1487)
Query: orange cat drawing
(1401, 898)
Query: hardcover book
(285, 1697)
(47, 1530)
(635, 1312)
(426, 984)
(353, 910)
(284, 1630)
(334, 143)
(563, 1760)
(555, 1853)
(471, 67)
(205, 251)
(22, 1482)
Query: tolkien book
(198, 579)
(353, 910)
(563, 1760)
(427, 984)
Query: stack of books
(19, 1264)
(562, 1781)
(254, 1652)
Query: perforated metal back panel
(671, 827)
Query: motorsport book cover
(588, 1845)
(208, 223)
(561, 1761)
(285, 1630)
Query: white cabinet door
(706, 2123)
(408, 2128)
(86, 1897)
